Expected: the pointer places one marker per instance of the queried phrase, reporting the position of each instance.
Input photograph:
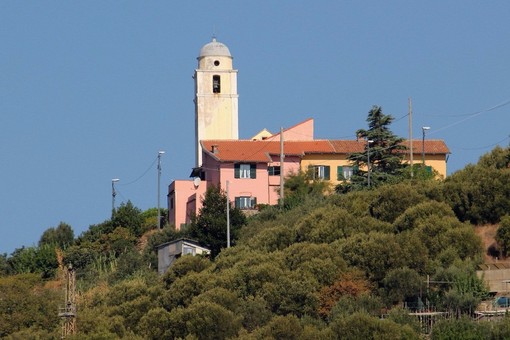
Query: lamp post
(159, 180)
(228, 216)
(114, 193)
(368, 160)
(423, 129)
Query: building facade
(216, 98)
(253, 168)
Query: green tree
(130, 217)
(481, 193)
(150, 218)
(421, 212)
(392, 200)
(154, 325)
(42, 260)
(363, 326)
(302, 187)
(25, 303)
(461, 328)
(386, 151)
(61, 236)
(4, 265)
(402, 284)
(503, 235)
(460, 290)
(210, 226)
(208, 320)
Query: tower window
(216, 87)
(216, 63)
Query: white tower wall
(216, 97)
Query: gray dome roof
(214, 48)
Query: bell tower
(216, 98)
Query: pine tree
(384, 149)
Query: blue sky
(92, 90)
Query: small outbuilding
(170, 251)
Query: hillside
(326, 266)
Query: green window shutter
(253, 170)
(237, 171)
(355, 169)
(429, 169)
(237, 202)
(253, 202)
(326, 173)
(339, 173)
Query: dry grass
(487, 233)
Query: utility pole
(114, 193)
(411, 136)
(368, 161)
(282, 177)
(423, 129)
(228, 217)
(159, 180)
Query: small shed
(170, 251)
(496, 276)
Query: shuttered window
(245, 202)
(320, 171)
(245, 170)
(345, 172)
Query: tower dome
(214, 48)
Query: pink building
(252, 168)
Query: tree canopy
(384, 149)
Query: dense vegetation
(342, 265)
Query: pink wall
(301, 131)
(264, 187)
(186, 199)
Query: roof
(432, 146)
(185, 240)
(214, 48)
(261, 150)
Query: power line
(505, 103)
(141, 176)
(484, 147)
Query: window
(320, 172)
(245, 202)
(344, 173)
(273, 170)
(245, 170)
(187, 250)
(216, 87)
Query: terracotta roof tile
(260, 150)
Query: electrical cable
(142, 175)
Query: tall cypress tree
(385, 148)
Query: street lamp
(159, 180)
(368, 160)
(114, 193)
(424, 128)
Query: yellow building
(335, 166)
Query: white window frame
(347, 172)
(244, 170)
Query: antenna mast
(411, 135)
(68, 313)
